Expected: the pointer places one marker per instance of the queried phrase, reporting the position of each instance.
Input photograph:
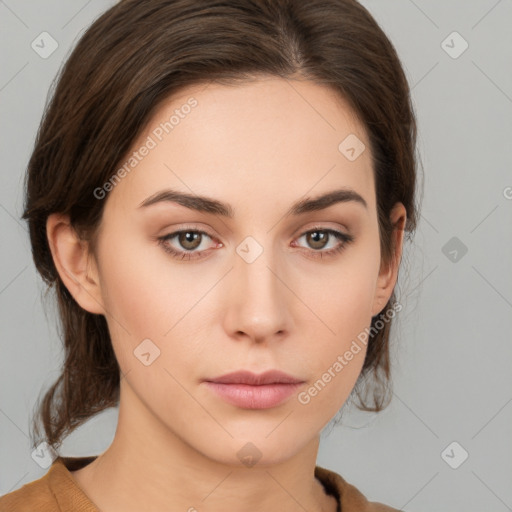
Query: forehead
(256, 139)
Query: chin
(266, 447)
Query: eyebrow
(213, 206)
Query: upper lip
(246, 377)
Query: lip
(248, 390)
(246, 377)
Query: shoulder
(351, 499)
(56, 491)
(35, 495)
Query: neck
(149, 467)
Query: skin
(260, 147)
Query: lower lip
(254, 397)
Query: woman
(218, 194)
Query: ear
(74, 263)
(388, 274)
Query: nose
(257, 303)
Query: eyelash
(190, 255)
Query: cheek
(342, 296)
(336, 360)
(131, 288)
(342, 305)
(146, 296)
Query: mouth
(248, 390)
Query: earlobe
(388, 274)
(74, 263)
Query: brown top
(57, 491)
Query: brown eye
(189, 240)
(317, 239)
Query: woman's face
(268, 287)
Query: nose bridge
(257, 306)
(254, 268)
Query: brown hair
(135, 56)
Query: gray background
(452, 347)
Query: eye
(189, 239)
(318, 237)
(192, 239)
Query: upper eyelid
(316, 225)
